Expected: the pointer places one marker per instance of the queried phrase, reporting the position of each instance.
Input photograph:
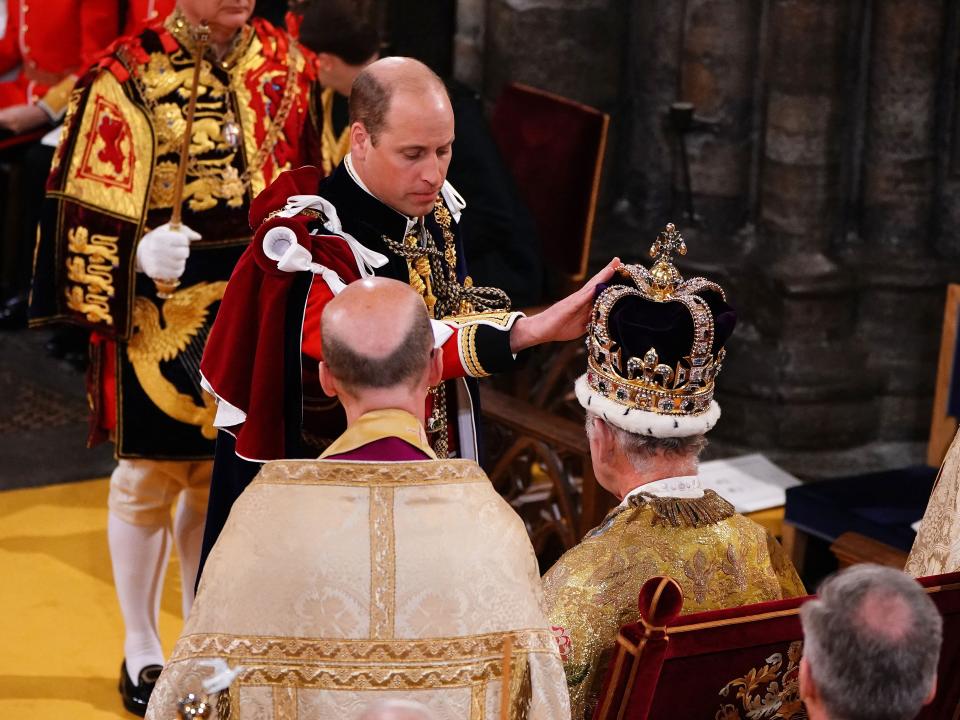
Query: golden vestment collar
(380, 424)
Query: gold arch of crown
(646, 383)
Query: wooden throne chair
(554, 149)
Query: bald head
(871, 644)
(398, 710)
(376, 334)
(382, 81)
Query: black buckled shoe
(136, 697)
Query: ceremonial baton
(166, 287)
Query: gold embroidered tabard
(185, 316)
(719, 558)
(338, 584)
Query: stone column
(718, 74)
(468, 42)
(795, 379)
(654, 41)
(568, 47)
(901, 303)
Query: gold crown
(644, 383)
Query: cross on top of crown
(668, 242)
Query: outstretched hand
(564, 320)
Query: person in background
(499, 236)
(110, 260)
(387, 210)
(871, 645)
(47, 63)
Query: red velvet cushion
(554, 149)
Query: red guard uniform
(51, 40)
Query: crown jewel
(644, 382)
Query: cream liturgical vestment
(669, 527)
(937, 548)
(336, 584)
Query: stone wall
(824, 176)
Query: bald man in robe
(376, 572)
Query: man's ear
(325, 61)
(435, 371)
(603, 439)
(327, 381)
(359, 141)
(808, 689)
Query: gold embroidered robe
(592, 590)
(937, 548)
(335, 584)
(112, 180)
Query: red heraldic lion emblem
(108, 155)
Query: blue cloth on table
(879, 505)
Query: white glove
(162, 253)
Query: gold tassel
(688, 512)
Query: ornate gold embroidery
(688, 512)
(111, 163)
(734, 566)
(382, 564)
(698, 569)
(72, 104)
(937, 547)
(363, 474)
(184, 315)
(768, 692)
(365, 664)
(90, 265)
(498, 319)
(244, 649)
(468, 352)
(478, 701)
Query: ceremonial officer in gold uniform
(111, 254)
(655, 346)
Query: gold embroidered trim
(499, 319)
(688, 512)
(266, 649)
(364, 474)
(309, 212)
(383, 561)
(285, 703)
(478, 701)
(468, 344)
(373, 665)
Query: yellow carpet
(60, 628)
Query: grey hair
(639, 448)
(872, 642)
(391, 709)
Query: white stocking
(188, 534)
(139, 556)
